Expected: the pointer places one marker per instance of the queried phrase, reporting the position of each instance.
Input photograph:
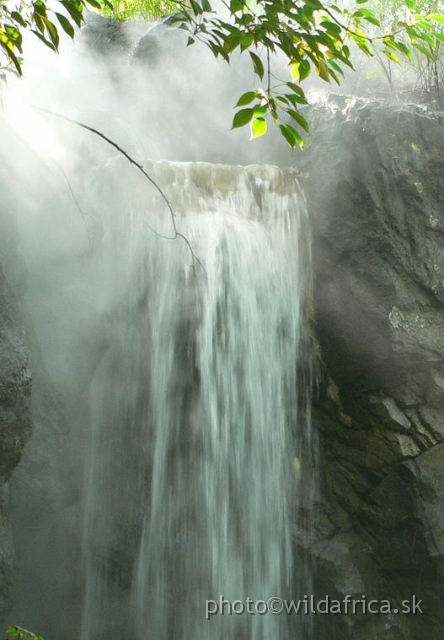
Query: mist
(170, 337)
(119, 316)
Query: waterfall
(190, 479)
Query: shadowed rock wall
(374, 188)
(15, 391)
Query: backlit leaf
(258, 128)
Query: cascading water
(189, 483)
(180, 469)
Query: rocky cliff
(374, 187)
(15, 391)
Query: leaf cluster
(313, 35)
(21, 634)
(41, 20)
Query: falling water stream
(177, 399)
(189, 476)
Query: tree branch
(82, 213)
(131, 160)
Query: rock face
(374, 189)
(15, 421)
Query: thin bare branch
(81, 211)
(140, 167)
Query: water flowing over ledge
(195, 405)
(186, 404)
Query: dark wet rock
(373, 178)
(14, 384)
(15, 391)
(107, 37)
(6, 562)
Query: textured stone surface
(14, 383)
(15, 421)
(6, 562)
(373, 176)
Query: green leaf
(10, 54)
(236, 5)
(22, 634)
(258, 128)
(427, 39)
(40, 25)
(369, 16)
(297, 89)
(436, 17)
(39, 7)
(15, 15)
(403, 48)
(302, 122)
(322, 71)
(246, 98)
(291, 135)
(259, 111)
(331, 27)
(14, 35)
(246, 41)
(45, 41)
(74, 11)
(52, 32)
(242, 118)
(304, 70)
(363, 45)
(336, 67)
(294, 98)
(258, 66)
(429, 54)
(294, 69)
(232, 41)
(196, 7)
(393, 57)
(66, 25)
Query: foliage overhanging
(314, 36)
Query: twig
(353, 33)
(387, 72)
(131, 160)
(82, 213)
